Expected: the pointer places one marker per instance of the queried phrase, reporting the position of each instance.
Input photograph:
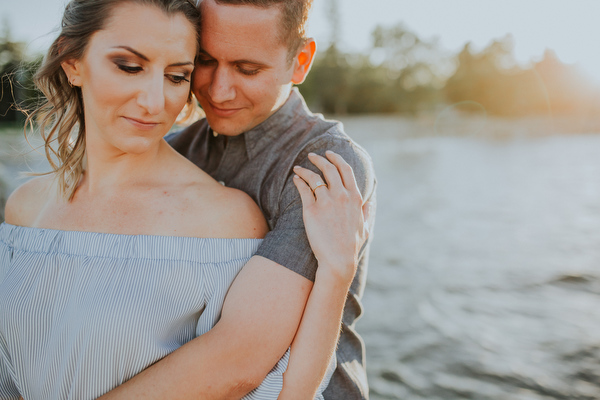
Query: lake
(484, 269)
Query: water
(483, 276)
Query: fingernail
(311, 154)
(329, 152)
(296, 166)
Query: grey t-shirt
(260, 163)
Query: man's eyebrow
(143, 57)
(257, 63)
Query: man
(243, 83)
(257, 128)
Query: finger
(313, 180)
(345, 170)
(330, 171)
(368, 210)
(306, 194)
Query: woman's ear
(72, 69)
(303, 61)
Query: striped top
(82, 312)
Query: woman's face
(134, 77)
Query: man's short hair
(293, 22)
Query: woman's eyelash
(178, 79)
(134, 69)
(129, 68)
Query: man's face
(243, 74)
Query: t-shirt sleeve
(287, 243)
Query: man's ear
(303, 61)
(72, 69)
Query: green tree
(11, 57)
(16, 76)
(399, 74)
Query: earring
(70, 83)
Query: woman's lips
(141, 124)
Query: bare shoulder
(209, 209)
(235, 214)
(25, 203)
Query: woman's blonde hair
(60, 116)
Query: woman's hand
(334, 214)
(336, 228)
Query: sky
(569, 27)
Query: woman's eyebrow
(143, 57)
(181, 64)
(137, 53)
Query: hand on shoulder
(25, 203)
(335, 216)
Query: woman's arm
(335, 220)
(259, 318)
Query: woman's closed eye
(133, 69)
(128, 68)
(178, 79)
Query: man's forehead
(239, 33)
(270, 17)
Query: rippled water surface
(484, 272)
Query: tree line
(403, 74)
(400, 74)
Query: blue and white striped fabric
(82, 312)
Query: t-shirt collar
(259, 137)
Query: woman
(107, 265)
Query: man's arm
(337, 226)
(260, 316)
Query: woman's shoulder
(25, 203)
(210, 209)
(229, 212)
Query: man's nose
(221, 87)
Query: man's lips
(142, 124)
(223, 112)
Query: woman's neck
(109, 168)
